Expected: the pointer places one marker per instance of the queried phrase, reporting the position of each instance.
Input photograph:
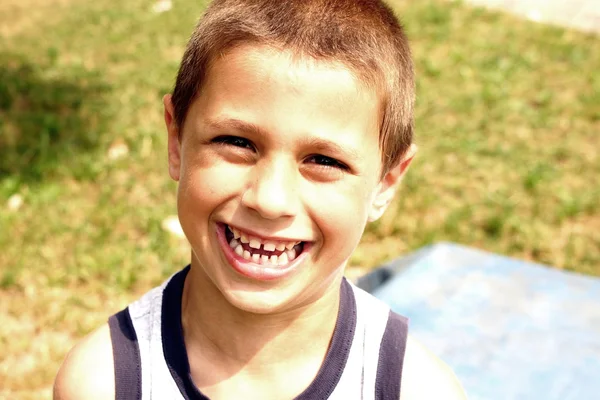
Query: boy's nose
(272, 193)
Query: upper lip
(264, 237)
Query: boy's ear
(389, 184)
(174, 148)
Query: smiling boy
(289, 128)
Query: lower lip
(253, 270)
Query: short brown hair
(364, 35)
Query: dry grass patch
(19, 16)
(507, 123)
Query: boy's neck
(223, 341)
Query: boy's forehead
(241, 72)
(261, 60)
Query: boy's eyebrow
(235, 125)
(331, 148)
(315, 143)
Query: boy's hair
(364, 35)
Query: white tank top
(364, 360)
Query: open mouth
(263, 252)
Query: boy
(289, 127)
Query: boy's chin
(280, 299)
(263, 302)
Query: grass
(507, 124)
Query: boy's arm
(88, 370)
(424, 376)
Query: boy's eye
(326, 162)
(233, 141)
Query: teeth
(283, 259)
(287, 248)
(234, 232)
(239, 250)
(291, 254)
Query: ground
(508, 115)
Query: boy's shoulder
(88, 370)
(425, 376)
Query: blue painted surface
(508, 328)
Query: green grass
(508, 117)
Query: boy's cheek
(343, 218)
(206, 188)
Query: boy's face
(285, 150)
